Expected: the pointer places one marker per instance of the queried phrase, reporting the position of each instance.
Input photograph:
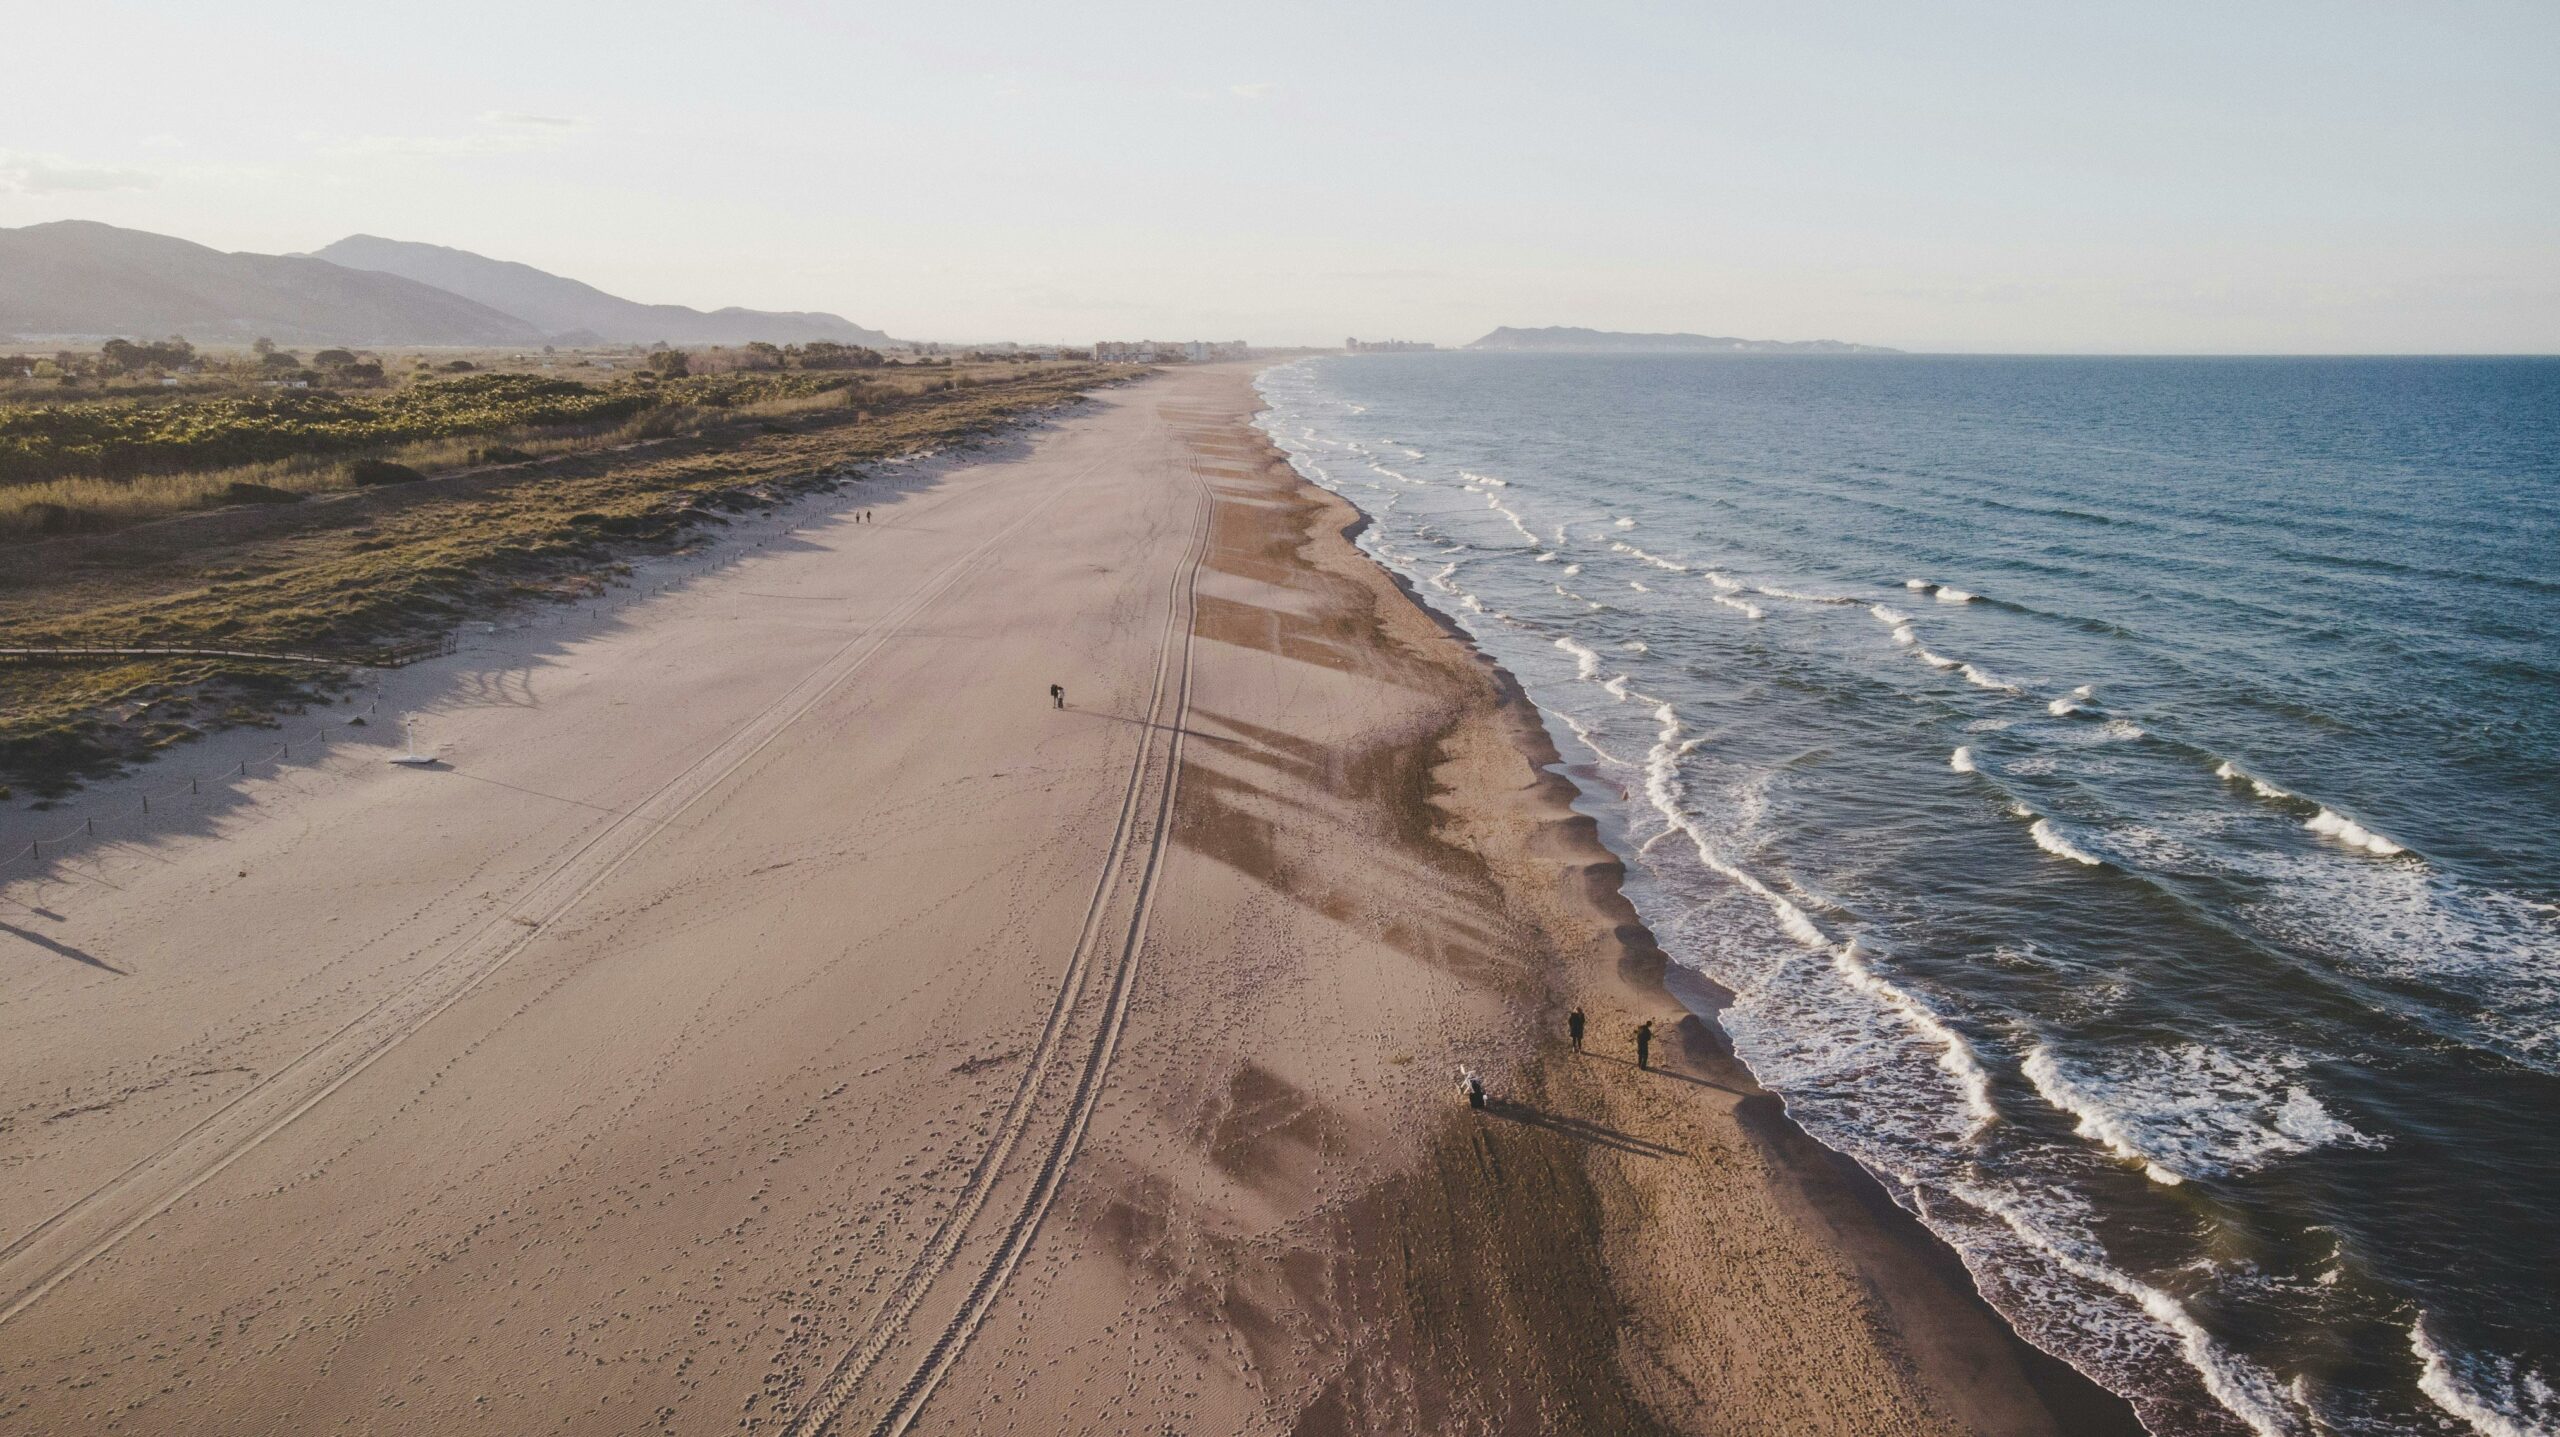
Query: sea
(2116, 801)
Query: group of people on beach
(1471, 1084)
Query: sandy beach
(770, 1013)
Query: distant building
(1387, 346)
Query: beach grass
(352, 571)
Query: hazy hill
(566, 307)
(80, 278)
(1603, 341)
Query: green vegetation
(110, 438)
(67, 468)
(387, 565)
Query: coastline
(1945, 1359)
(731, 1050)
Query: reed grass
(358, 574)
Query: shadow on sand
(1580, 1129)
(63, 949)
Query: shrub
(364, 473)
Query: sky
(2157, 178)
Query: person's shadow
(63, 949)
(1659, 1071)
(1581, 1130)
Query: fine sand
(771, 1014)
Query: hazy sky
(2149, 177)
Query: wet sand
(772, 1015)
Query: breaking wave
(2190, 1111)
(2051, 839)
(2493, 1395)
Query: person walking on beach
(1057, 696)
(1573, 1026)
(1472, 1086)
(1644, 1044)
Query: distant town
(1387, 346)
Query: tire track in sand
(1168, 705)
(45, 1256)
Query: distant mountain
(1603, 341)
(81, 279)
(568, 309)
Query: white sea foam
(1947, 595)
(2243, 1388)
(1624, 523)
(1918, 586)
(1726, 582)
(1527, 534)
(2054, 841)
(1956, 1056)
(1961, 760)
(1983, 678)
(1474, 478)
(2351, 833)
(2327, 822)
(1571, 569)
(2491, 1394)
(2192, 1111)
(1656, 560)
(2069, 703)
(2096, 1121)
(1799, 596)
(2123, 730)
(1583, 735)
(1548, 557)
(1937, 661)
(2494, 955)
(1636, 646)
(1890, 618)
(2230, 772)
(1745, 605)
(1586, 661)
(1638, 586)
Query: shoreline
(1928, 1300)
(708, 1051)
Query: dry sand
(773, 1015)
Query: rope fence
(58, 845)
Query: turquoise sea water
(2122, 798)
